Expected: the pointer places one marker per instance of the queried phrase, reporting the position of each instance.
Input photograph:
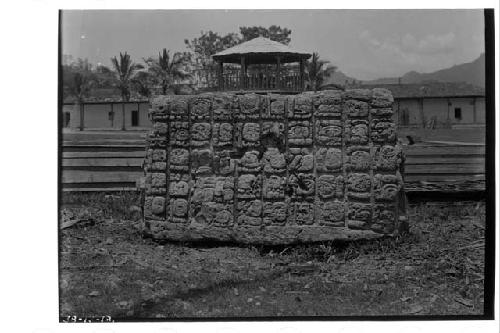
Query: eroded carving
(301, 160)
(223, 134)
(329, 132)
(223, 106)
(274, 161)
(358, 159)
(202, 161)
(179, 209)
(386, 187)
(330, 186)
(388, 158)
(299, 132)
(250, 213)
(301, 108)
(249, 186)
(179, 133)
(331, 213)
(356, 131)
(250, 162)
(328, 104)
(359, 215)
(383, 131)
(200, 107)
(179, 159)
(200, 134)
(249, 107)
(359, 185)
(274, 187)
(329, 160)
(356, 108)
(275, 213)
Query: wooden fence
(117, 166)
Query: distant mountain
(338, 77)
(471, 72)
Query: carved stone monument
(273, 169)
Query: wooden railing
(261, 81)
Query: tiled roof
(434, 89)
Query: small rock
(262, 289)
(250, 300)
(415, 309)
(257, 303)
(109, 240)
(405, 299)
(408, 268)
(307, 286)
(236, 292)
(94, 293)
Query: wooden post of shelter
(301, 83)
(242, 73)
(220, 76)
(278, 70)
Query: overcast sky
(365, 44)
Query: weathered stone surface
(273, 169)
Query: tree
(124, 71)
(316, 71)
(167, 69)
(78, 81)
(142, 83)
(205, 46)
(274, 32)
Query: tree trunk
(82, 119)
(123, 115)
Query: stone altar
(273, 169)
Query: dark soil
(108, 268)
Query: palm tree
(124, 71)
(167, 69)
(316, 71)
(78, 81)
(142, 83)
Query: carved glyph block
(273, 169)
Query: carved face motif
(251, 132)
(250, 159)
(179, 207)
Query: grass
(108, 269)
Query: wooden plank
(443, 160)
(445, 168)
(99, 189)
(102, 162)
(444, 150)
(104, 154)
(80, 176)
(107, 142)
(442, 177)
